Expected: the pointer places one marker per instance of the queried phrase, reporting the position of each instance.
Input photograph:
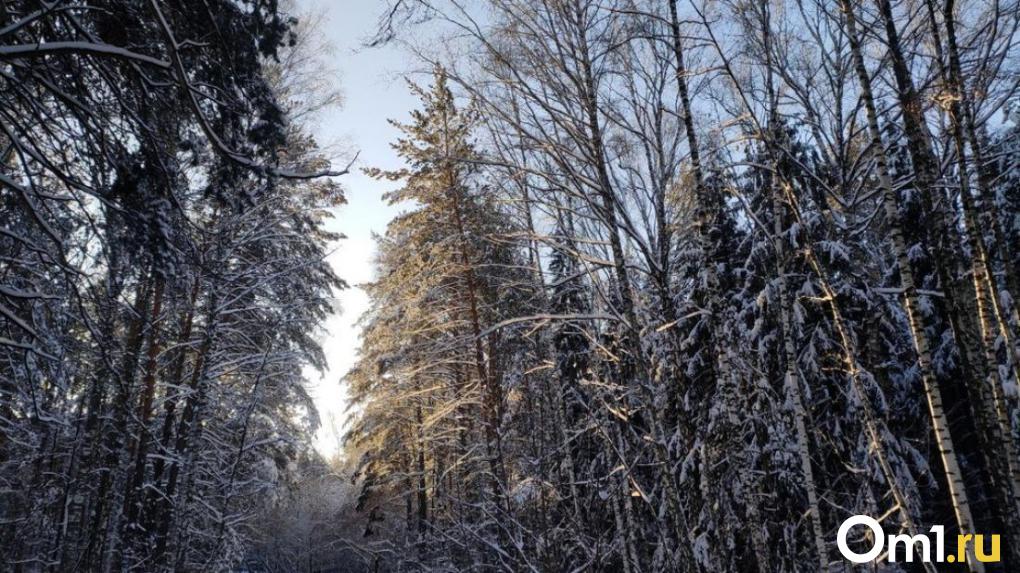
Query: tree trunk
(894, 217)
(922, 160)
(133, 492)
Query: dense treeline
(680, 286)
(162, 277)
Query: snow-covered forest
(677, 285)
(162, 277)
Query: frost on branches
(675, 286)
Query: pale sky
(374, 91)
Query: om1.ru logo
(920, 544)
